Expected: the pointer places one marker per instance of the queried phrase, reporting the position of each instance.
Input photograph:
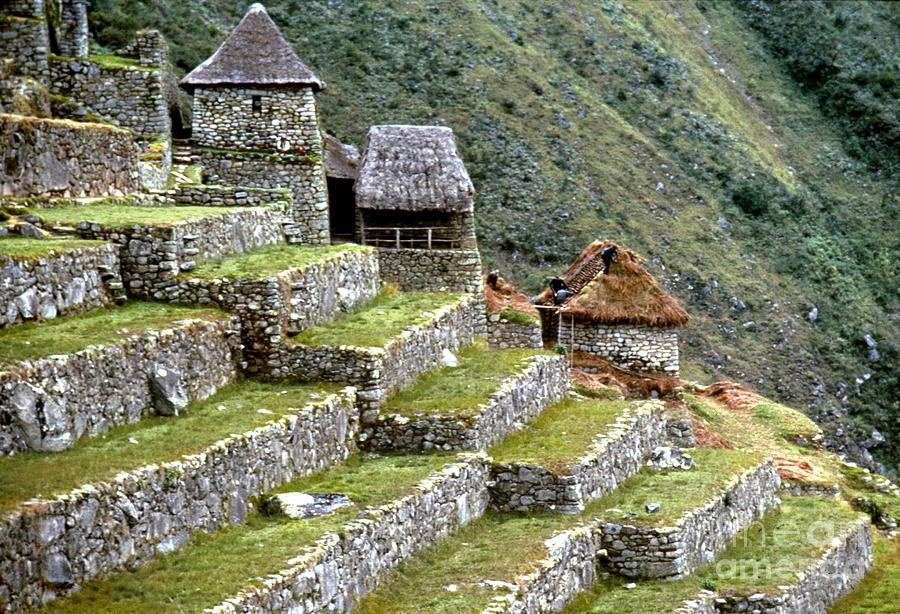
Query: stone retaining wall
(200, 195)
(152, 256)
(695, 539)
(303, 175)
(345, 566)
(59, 283)
(503, 333)
(631, 347)
(48, 403)
(49, 547)
(518, 399)
(288, 302)
(23, 37)
(53, 157)
(432, 270)
(680, 432)
(802, 489)
(612, 457)
(379, 371)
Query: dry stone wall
(59, 283)
(695, 539)
(612, 457)
(304, 175)
(379, 371)
(49, 547)
(517, 400)
(199, 195)
(152, 256)
(435, 270)
(48, 403)
(680, 432)
(631, 347)
(343, 567)
(505, 333)
(72, 33)
(23, 37)
(50, 157)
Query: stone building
(255, 121)
(414, 202)
(621, 314)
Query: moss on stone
(24, 247)
(118, 214)
(119, 63)
(266, 261)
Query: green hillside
(748, 149)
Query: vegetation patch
(105, 326)
(118, 62)
(877, 593)
(233, 409)
(119, 214)
(213, 567)
(517, 317)
(786, 423)
(25, 247)
(376, 322)
(266, 261)
(561, 434)
(462, 388)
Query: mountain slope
(690, 132)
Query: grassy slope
(569, 117)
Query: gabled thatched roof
(254, 54)
(412, 168)
(341, 160)
(627, 294)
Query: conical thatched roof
(413, 168)
(627, 294)
(254, 54)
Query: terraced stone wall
(130, 97)
(72, 34)
(631, 347)
(612, 457)
(680, 432)
(379, 371)
(199, 195)
(433, 270)
(51, 157)
(60, 283)
(48, 548)
(152, 256)
(517, 400)
(504, 333)
(305, 176)
(695, 539)
(49, 403)
(23, 37)
(345, 566)
(288, 302)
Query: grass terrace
(110, 60)
(376, 322)
(104, 326)
(460, 389)
(768, 554)
(266, 261)
(25, 247)
(119, 214)
(213, 567)
(561, 434)
(877, 593)
(233, 409)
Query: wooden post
(397, 230)
(429, 238)
(362, 233)
(571, 340)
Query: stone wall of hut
(637, 348)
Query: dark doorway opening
(342, 209)
(179, 130)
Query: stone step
(797, 560)
(471, 405)
(315, 564)
(141, 490)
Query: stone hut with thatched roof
(414, 202)
(255, 120)
(621, 314)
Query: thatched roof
(627, 294)
(413, 168)
(254, 54)
(341, 160)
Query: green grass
(30, 248)
(376, 322)
(457, 389)
(70, 334)
(158, 440)
(517, 317)
(266, 261)
(561, 434)
(787, 423)
(677, 492)
(877, 593)
(117, 214)
(215, 566)
(114, 61)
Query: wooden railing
(428, 237)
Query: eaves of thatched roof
(626, 294)
(413, 168)
(254, 54)
(341, 160)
